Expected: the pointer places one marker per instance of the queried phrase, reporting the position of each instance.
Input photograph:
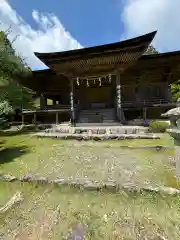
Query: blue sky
(89, 22)
(59, 25)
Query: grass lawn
(101, 161)
(50, 212)
(53, 213)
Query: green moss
(97, 161)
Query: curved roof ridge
(111, 46)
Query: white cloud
(143, 16)
(51, 35)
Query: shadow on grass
(1, 142)
(10, 153)
(16, 132)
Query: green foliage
(151, 50)
(158, 127)
(10, 63)
(13, 68)
(3, 123)
(175, 88)
(5, 110)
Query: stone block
(113, 131)
(86, 138)
(164, 190)
(108, 132)
(101, 131)
(42, 180)
(27, 178)
(110, 186)
(9, 178)
(94, 131)
(129, 131)
(72, 131)
(122, 131)
(61, 182)
(89, 132)
(77, 131)
(135, 131)
(92, 187)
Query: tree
(175, 89)
(10, 63)
(5, 110)
(151, 50)
(12, 68)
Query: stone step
(97, 116)
(86, 124)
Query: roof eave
(99, 49)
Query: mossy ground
(49, 212)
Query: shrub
(5, 109)
(3, 123)
(158, 127)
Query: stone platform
(98, 129)
(98, 132)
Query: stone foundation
(98, 133)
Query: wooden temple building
(112, 83)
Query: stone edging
(97, 137)
(110, 186)
(157, 147)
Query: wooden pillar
(34, 118)
(144, 113)
(169, 94)
(45, 101)
(57, 116)
(72, 101)
(42, 101)
(118, 97)
(22, 119)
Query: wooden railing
(50, 108)
(132, 103)
(57, 106)
(145, 102)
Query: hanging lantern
(77, 80)
(109, 77)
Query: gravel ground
(98, 163)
